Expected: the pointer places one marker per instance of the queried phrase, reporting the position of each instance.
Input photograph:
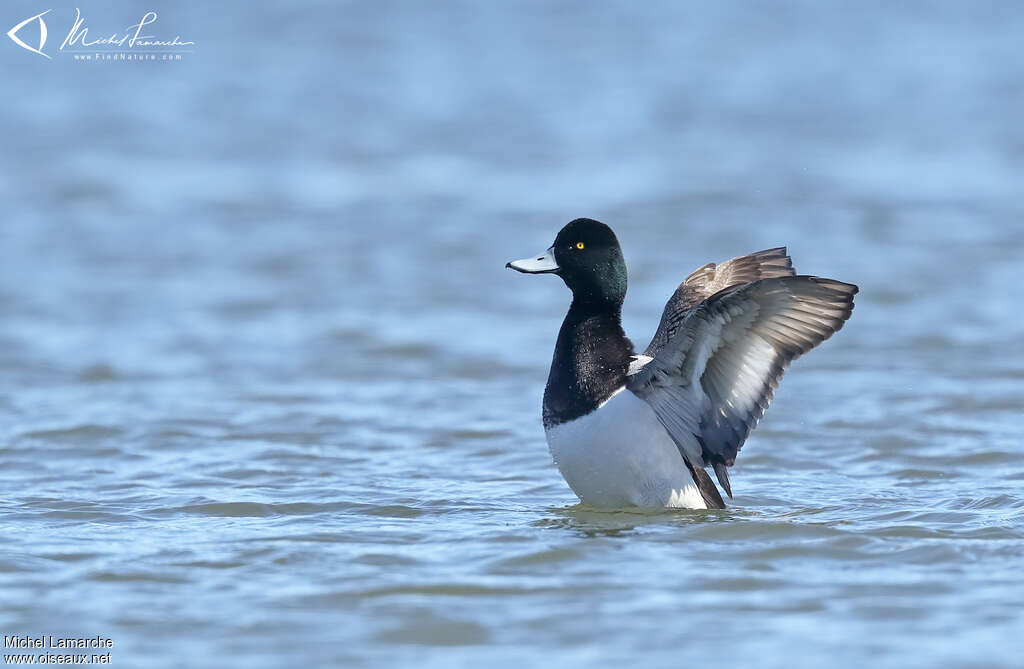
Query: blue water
(268, 396)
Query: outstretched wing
(710, 279)
(712, 379)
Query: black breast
(590, 363)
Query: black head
(587, 256)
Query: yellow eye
(579, 245)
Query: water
(268, 395)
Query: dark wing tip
(766, 264)
(771, 262)
(836, 295)
(836, 285)
(722, 473)
(712, 498)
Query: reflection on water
(589, 522)
(270, 398)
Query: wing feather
(710, 279)
(712, 379)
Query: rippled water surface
(268, 396)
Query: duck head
(586, 254)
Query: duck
(629, 429)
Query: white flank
(620, 456)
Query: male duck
(639, 430)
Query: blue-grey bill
(542, 263)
